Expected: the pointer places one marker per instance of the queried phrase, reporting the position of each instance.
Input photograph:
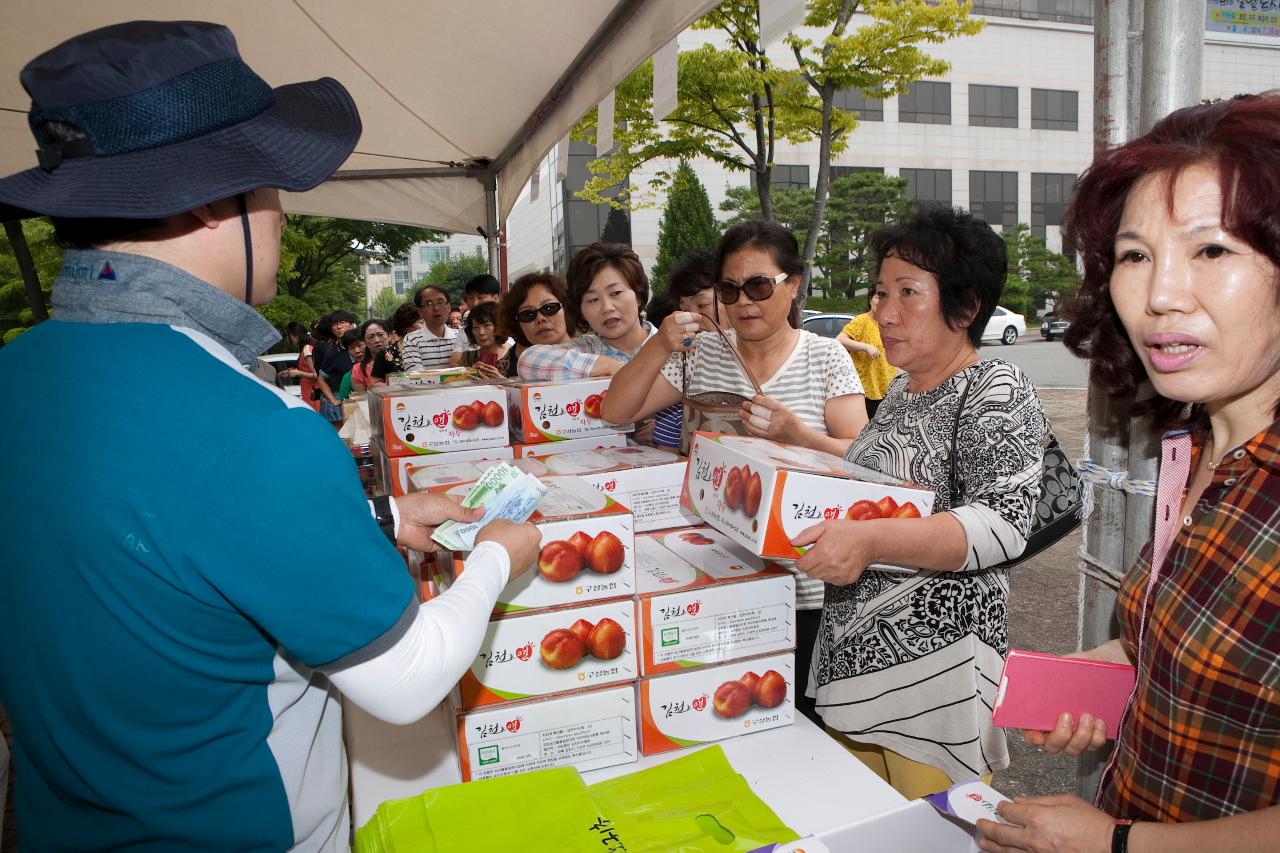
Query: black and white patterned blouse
(911, 662)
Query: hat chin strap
(248, 248)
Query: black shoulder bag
(1057, 511)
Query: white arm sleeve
(405, 682)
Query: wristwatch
(381, 506)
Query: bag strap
(953, 481)
(733, 350)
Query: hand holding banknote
(520, 540)
(421, 513)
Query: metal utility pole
(1147, 55)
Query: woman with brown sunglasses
(810, 389)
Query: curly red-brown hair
(1241, 137)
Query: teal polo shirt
(185, 552)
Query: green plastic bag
(544, 811)
(694, 804)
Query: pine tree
(687, 224)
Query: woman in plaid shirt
(1180, 235)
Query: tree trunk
(763, 179)
(819, 191)
(30, 278)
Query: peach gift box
(763, 493)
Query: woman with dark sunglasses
(607, 293)
(810, 388)
(532, 314)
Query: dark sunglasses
(551, 309)
(758, 288)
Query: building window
(868, 109)
(432, 254)
(1053, 109)
(1063, 11)
(401, 280)
(1050, 194)
(379, 269)
(993, 197)
(928, 184)
(926, 103)
(993, 106)
(789, 177)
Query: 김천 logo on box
(488, 755)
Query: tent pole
(492, 234)
(30, 278)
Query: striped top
(1201, 737)
(422, 350)
(817, 370)
(911, 662)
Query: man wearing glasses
(430, 348)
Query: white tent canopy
(460, 100)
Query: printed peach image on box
(762, 493)
(554, 411)
(438, 418)
(552, 652)
(712, 703)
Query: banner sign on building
(1244, 17)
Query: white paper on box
(570, 445)
(396, 472)
(583, 730)
(646, 480)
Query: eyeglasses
(435, 303)
(550, 309)
(758, 288)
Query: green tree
(879, 59)
(1037, 274)
(319, 249)
(687, 223)
(15, 310)
(285, 309)
(790, 207)
(386, 302)
(859, 204)
(733, 105)
(452, 275)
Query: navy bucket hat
(172, 118)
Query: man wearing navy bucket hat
(170, 648)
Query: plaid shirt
(573, 359)
(1201, 738)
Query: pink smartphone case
(1036, 688)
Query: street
(1049, 364)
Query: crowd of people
(178, 655)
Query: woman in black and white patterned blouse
(907, 665)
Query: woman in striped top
(809, 384)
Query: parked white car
(280, 361)
(1005, 327)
